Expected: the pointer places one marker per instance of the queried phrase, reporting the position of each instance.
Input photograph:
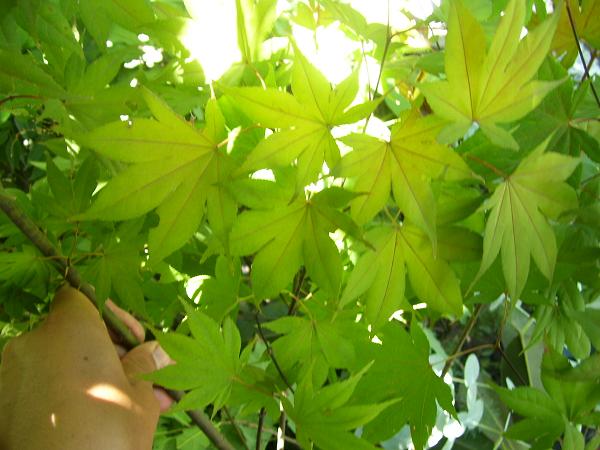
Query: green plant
(319, 257)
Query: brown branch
(204, 423)
(71, 275)
(581, 57)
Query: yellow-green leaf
(494, 87)
(406, 165)
(174, 166)
(516, 226)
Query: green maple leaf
(19, 268)
(406, 164)
(379, 275)
(543, 422)
(560, 116)
(118, 270)
(491, 87)
(174, 167)
(570, 395)
(322, 416)
(317, 342)
(306, 119)
(401, 370)
(208, 363)
(286, 236)
(516, 225)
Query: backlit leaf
(406, 164)
(175, 167)
(494, 87)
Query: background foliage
(332, 263)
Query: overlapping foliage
(313, 253)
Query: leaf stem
(581, 57)
(71, 275)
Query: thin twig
(470, 350)
(589, 66)
(462, 340)
(261, 421)
(581, 53)
(71, 275)
(271, 354)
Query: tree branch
(71, 275)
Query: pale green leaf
(380, 274)
(140, 188)
(180, 215)
(374, 189)
(516, 226)
(310, 87)
(465, 52)
(145, 140)
(321, 256)
(174, 168)
(343, 94)
(406, 164)
(270, 107)
(431, 278)
(281, 148)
